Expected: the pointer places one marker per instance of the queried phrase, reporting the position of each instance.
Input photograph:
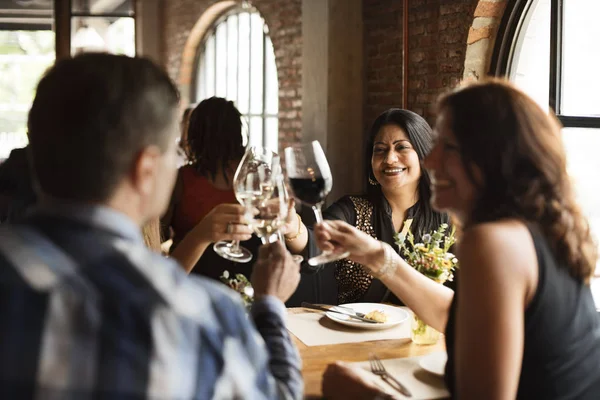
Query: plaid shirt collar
(95, 215)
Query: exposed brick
(383, 56)
(490, 9)
(439, 31)
(478, 34)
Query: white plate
(434, 363)
(395, 315)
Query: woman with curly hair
(203, 207)
(522, 323)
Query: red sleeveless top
(197, 199)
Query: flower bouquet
(240, 284)
(432, 258)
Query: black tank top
(561, 355)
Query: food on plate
(377, 315)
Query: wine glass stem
(269, 238)
(235, 246)
(318, 214)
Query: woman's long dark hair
(517, 148)
(214, 137)
(420, 135)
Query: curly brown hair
(518, 149)
(214, 137)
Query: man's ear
(145, 168)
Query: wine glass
(272, 212)
(311, 181)
(251, 185)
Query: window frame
(515, 17)
(212, 32)
(88, 14)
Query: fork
(378, 369)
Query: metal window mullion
(101, 15)
(264, 87)
(204, 74)
(237, 64)
(215, 63)
(249, 70)
(556, 42)
(569, 121)
(226, 56)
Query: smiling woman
(398, 189)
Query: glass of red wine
(310, 179)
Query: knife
(315, 307)
(351, 311)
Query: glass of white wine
(272, 212)
(252, 185)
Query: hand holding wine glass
(311, 181)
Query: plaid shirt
(87, 311)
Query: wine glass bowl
(251, 186)
(272, 212)
(311, 181)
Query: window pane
(244, 73)
(113, 35)
(232, 57)
(581, 58)
(272, 133)
(201, 78)
(271, 86)
(25, 57)
(256, 131)
(244, 63)
(209, 52)
(121, 7)
(583, 163)
(530, 67)
(221, 71)
(257, 64)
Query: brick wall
(442, 35)
(283, 18)
(437, 47)
(439, 31)
(383, 56)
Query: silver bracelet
(389, 264)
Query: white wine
(265, 227)
(252, 198)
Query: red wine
(309, 190)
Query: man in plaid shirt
(86, 310)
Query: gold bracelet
(292, 238)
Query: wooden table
(316, 358)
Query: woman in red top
(203, 203)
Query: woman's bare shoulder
(506, 243)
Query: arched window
(236, 61)
(550, 51)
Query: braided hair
(214, 137)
